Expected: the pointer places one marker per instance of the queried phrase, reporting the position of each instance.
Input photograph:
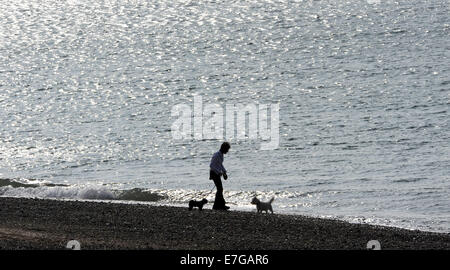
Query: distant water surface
(87, 87)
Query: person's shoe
(221, 208)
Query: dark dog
(198, 204)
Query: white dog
(263, 206)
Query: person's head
(225, 147)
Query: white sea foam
(87, 193)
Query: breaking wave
(26, 188)
(40, 189)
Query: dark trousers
(219, 201)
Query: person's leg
(219, 201)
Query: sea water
(87, 90)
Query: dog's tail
(271, 200)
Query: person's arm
(223, 168)
(224, 171)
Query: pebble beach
(36, 224)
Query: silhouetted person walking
(217, 170)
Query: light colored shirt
(216, 163)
